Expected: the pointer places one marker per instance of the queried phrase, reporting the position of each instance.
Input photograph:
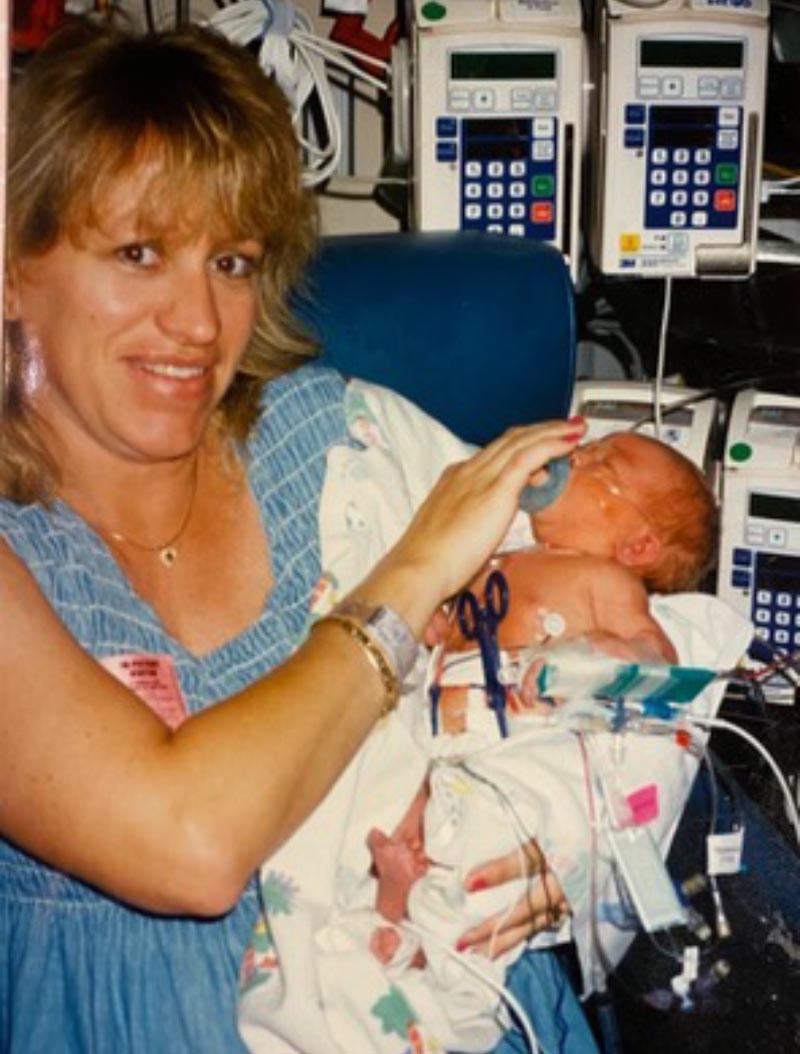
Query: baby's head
(640, 502)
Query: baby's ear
(639, 548)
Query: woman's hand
(468, 512)
(541, 908)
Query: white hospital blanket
(310, 984)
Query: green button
(741, 452)
(727, 173)
(434, 12)
(542, 186)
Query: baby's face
(605, 493)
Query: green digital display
(692, 54)
(502, 65)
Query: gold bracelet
(375, 654)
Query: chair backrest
(477, 329)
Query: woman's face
(135, 334)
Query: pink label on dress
(643, 804)
(154, 680)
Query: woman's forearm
(97, 786)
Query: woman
(160, 515)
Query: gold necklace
(167, 551)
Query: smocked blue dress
(81, 973)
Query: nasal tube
(534, 499)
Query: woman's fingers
(540, 908)
(517, 457)
(527, 860)
(469, 510)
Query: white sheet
(310, 984)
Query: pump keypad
(772, 580)
(507, 170)
(692, 164)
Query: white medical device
(680, 116)
(497, 118)
(759, 564)
(617, 406)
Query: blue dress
(82, 973)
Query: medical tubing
(662, 358)
(523, 836)
(600, 966)
(303, 62)
(729, 388)
(336, 56)
(500, 990)
(718, 722)
(522, 862)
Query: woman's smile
(175, 380)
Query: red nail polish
(461, 945)
(578, 419)
(573, 437)
(477, 884)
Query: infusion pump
(621, 406)
(759, 564)
(497, 118)
(679, 129)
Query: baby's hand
(383, 943)
(527, 699)
(387, 944)
(438, 629)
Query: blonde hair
(96, 103)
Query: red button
(725, 200)
(542, 212)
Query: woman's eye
(236, 265)
(139, 254)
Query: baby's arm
(625, 627)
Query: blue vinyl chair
(477, 329)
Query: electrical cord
(467, 961)
(290, 52)
(518, 827)
(729, 726)
(658, 381)
(730, 388)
